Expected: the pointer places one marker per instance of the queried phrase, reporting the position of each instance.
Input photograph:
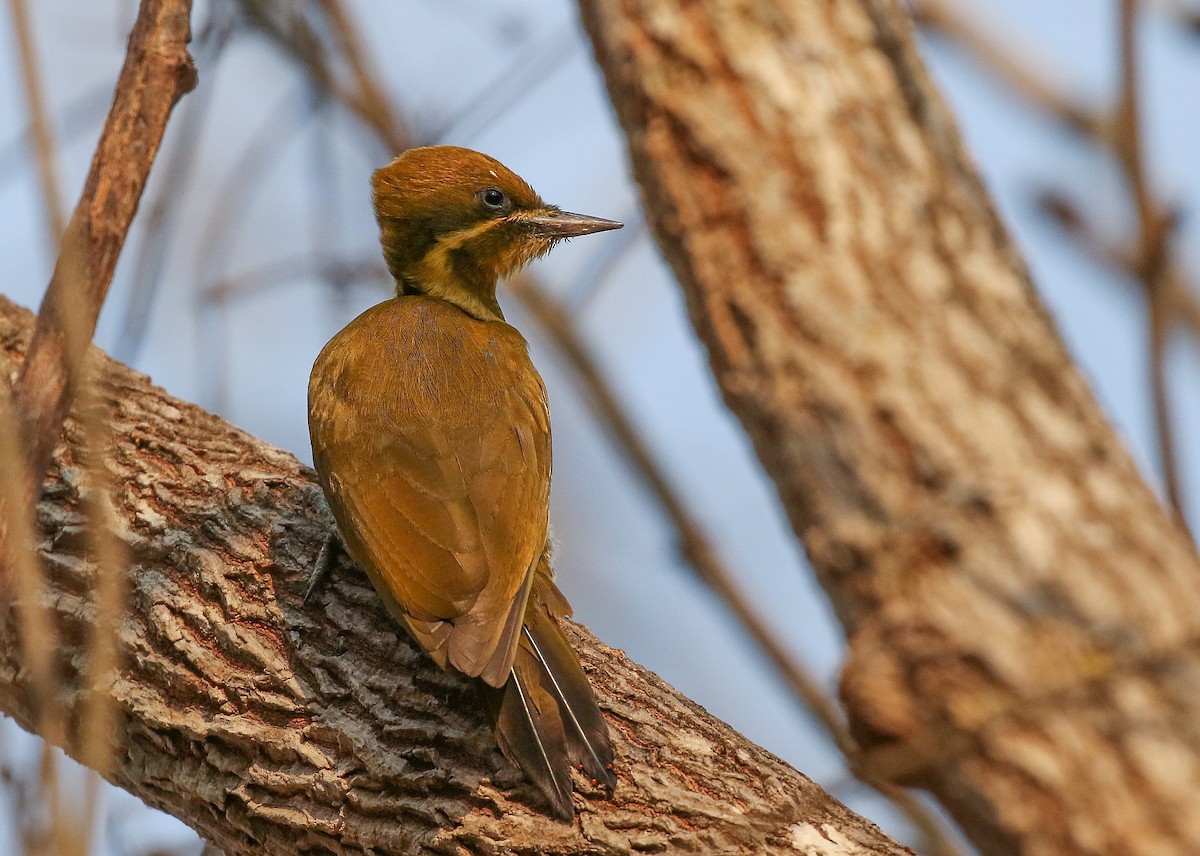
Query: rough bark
(1021, 613)
(271, 727)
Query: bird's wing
(439, 480)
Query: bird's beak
(552, 223)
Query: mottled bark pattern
(275, 728)
(1023, 618)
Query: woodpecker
(430, 432)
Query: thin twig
(95, 743)
(81, 113)
(44, 147)
(37, 637)
(369, 101)
(1180, 301)
(1020, 73)
(25, 579)
(1153, 245)
(157, 72)
(56, 836)
(286, 27)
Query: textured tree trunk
(1023, 617)
(271, 727)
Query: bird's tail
(547, 720)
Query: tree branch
(1020, 610)
(273, 727)
(1154, 227)
(156, 74)
(1034, 79)
(45, 149)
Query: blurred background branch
(44, 146)
(1172, 295)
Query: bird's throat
(480, 304)
(448, 270)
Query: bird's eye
(494, 199)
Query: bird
(430, 432)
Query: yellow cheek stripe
(437, 260)
(436, 275)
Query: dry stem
(44, 147)
(157, 72)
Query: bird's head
(453, 221)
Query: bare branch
(44, 147)
(157, 72)
(1029, 76)
(1152, 259)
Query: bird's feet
(327, 560)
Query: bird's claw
(323, 567)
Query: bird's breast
(415, 358)
(431, 435)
